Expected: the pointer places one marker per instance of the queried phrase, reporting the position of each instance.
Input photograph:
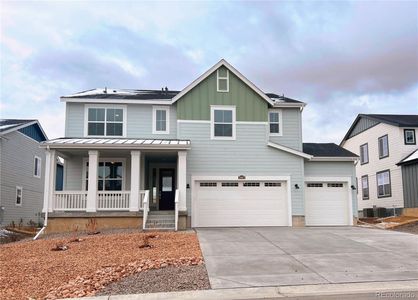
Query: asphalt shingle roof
(397, 120)
(7, 124)
(107, 93)
(326, 150)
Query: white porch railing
(113, 200)
(144, 205)
(176, 210)
(70, 200)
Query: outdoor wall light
(296, 186)
(353, 187)
(187, 186)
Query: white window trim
(361, 154)
(104, 106)
(103, 159)
(39, 166)
(212, 122)
(220, 77)
(154, 119)
(21, 196)
(279, 111)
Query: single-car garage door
(326, 204)
(233, 203)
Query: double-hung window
(37, 167)
(222, 80)
(275, 122)
(109, 176)
(409, 136)
(19, 195)
(364, 154)
(383, 184)
(365, 187)
(160, 119)
(106, 121)
(383, 146)
(223, 122)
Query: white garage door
(326, 204)
(232, 203)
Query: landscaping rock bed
(410, 228)
(167, 279)
(88, 266)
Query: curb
(273, 292)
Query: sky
(341, 58)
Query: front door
(167, 189)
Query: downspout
(46, 216)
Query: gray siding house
(21, 171)
(218, 153)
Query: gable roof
(10, 125)
(410, 159)
(270, 98)
(326, 150)
(394, 120)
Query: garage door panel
(326, 205)
(241, 206)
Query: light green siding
(195, 105)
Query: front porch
(116, 181)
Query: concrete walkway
(279, 256)
(345, 291)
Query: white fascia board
(116, 101)
(353, 159)
(289, 150)
(222, 62)
(289, 105)
(116, 146)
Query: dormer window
(105, 121)
(222, 82)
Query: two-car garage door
(240, 203)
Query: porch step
(160, 220)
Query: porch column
(49, 184)
(92, 183)
(181, 179)
(135, 180)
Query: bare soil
(32, 269)
(410, 228)
(169, 279)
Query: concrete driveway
(273, 256)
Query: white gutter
(46, 218)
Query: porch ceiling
(116, 143)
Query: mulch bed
(32, 269)
(168, 279)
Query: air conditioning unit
(368, 213)
(380, 212)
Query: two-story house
(21, 171)
(220, 152)
(386, 174)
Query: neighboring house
(21, 171)
(383, 142)
(218, 153)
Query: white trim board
(289, 150)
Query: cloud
(342, 58)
